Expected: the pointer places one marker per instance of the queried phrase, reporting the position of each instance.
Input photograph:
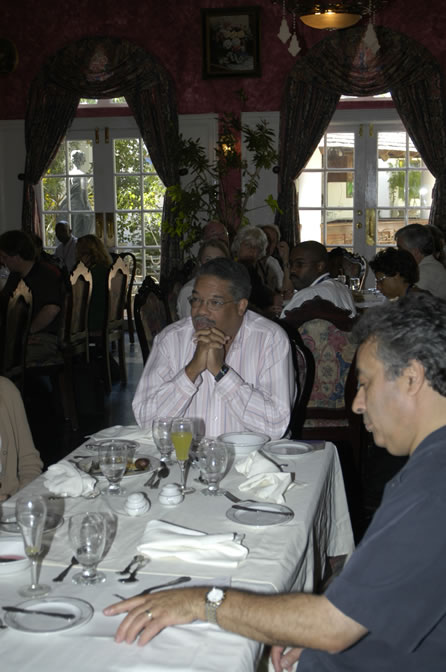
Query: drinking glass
(181, 433)
(113, 463)
(87, 533)
(161, 436)
(199, 432)
(31, 515)
(212, 461)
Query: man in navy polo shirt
(386, 611)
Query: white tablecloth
(281, 558)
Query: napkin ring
(149, 614)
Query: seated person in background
(249, 246)
(310, 277)
(386, 611)
(18, 253)
(66, 250)
(91, 250)
(215, 230)
(417, 239)
(396, 272)
(225, 364)
(274, 266)
(211, 249)
(439, 243)
(19, 460)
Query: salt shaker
(136, 504)
(170, 495)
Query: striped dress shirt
(255, 395)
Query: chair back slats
(151, 314)
(14, 334)
(131, 262)
(76, 311)
(117, 293)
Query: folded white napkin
(129, 432)
(165, 540)
(264, 480)
(64, 478)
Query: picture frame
(231, 42)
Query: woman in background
(20, 462)
(396, 272)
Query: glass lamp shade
(330, 20)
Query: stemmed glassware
(31, 515)
(199, 432)
(212, 458)
(181, 433)
(113, 463)
(161, 436)
(87, 533)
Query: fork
(136, 558)
(131, 578)
(60, 577)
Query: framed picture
(231, 42)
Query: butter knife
(251, 508)
(57, 614)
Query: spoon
(136, 558)
(163, 472)
(60, 577)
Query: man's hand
(283, 661)
(149, 614)
(209, 353)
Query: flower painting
(231, 42)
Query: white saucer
(269, 514)
(35, 623)
(287, 447)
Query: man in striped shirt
(225, 364)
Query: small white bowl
(244, 442)
(12, 548)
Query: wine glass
(31, 515)
(87, 533)
(199, 432)
(113, 463)
(212, 461)
(181, 433)
(161, 436)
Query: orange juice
(181, 442)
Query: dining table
(284, 557)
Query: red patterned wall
(171, 30)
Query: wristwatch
(213, 600)
(223, 371)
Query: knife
(58, 614)
(174, 582)
(251, 508)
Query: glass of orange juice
(181, 434)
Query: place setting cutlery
(155, 478)
(131, 578)
(173, 582)
(60, 577)
(38, 612)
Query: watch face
(215, 595)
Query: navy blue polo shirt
(395, 582)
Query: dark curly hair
(413, 328)
(392, 261)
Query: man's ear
(415, 376)
(242, 306)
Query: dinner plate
(261, 514)
(81, 610)
(85, 465)
(287, 447)
(53, 521)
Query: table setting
(266, 518)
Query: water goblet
(161, 436)
(113, 463)
(181, 434)
(87, 533)
(199, 432)
(31, 515)
(212, 461)
(355, 284)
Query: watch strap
(223, 371)
(211, 607)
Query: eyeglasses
(214, 305)
(382, 278)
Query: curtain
(102, 68)
(343, 63)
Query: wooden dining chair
(113, 330)
(151, 314)
(326, 331)
(14, 334)
(130, 260)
